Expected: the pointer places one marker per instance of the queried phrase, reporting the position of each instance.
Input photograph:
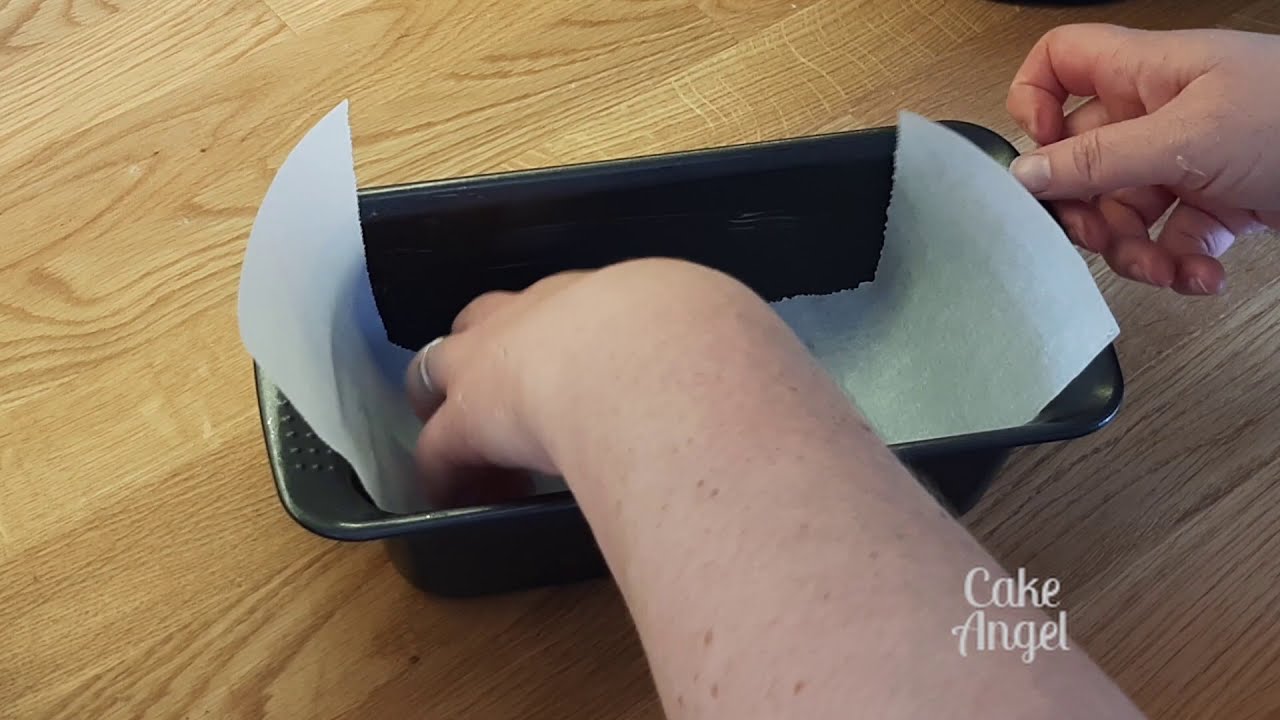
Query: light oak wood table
(146, 567)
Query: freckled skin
(640, 416)
(819, 508)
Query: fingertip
(453, 476)
(478, 486)
(1037, 111)
(1142, 261)
(1049, 123)
(1200, 275)
(1136, 272)
(1146, 274)
(1032, 171)
(439, 454)
(1084, 225)
(425, 395)
(1162, 271)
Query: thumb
(1132, 153)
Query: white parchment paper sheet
(980, 314)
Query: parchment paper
(981, 311)
(980, 314)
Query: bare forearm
(779, 562)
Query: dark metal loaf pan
(784, 217)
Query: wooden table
(146, 566)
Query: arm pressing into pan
(777, 559)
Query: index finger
(1070, 60)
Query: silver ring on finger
(423, 373)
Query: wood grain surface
(147, 569)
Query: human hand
(728, 483)
(520, 373)
(1184, 119)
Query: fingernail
(1028, 126)
(1032, 171)
(1201, 288)
(1138, 273)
